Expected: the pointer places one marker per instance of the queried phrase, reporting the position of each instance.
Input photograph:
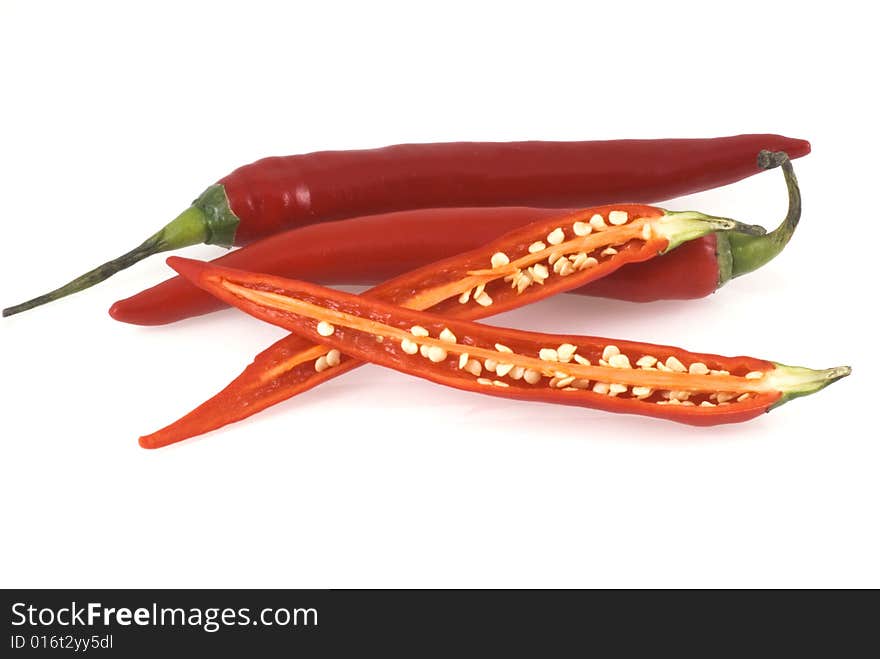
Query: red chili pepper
(274, 194)
(608, 374)
(375, 248)
(525, 265)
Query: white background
(114, 118)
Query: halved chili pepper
(524, 266)
(609, 374)
(274, 194)
(375, 248)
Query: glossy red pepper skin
(274, 194)
(373, 249)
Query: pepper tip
(145, 442)
(114, 311)
(187, 268)
(800, 148)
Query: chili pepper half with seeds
(523, 266)
(371, 249)
(274, 194)
(608, 374)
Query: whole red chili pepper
(523, 266)
(608, 374)
(274, 194)
(371, 249)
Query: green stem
(679, 227)
(747, 253)
(796, 381)
(209, 220)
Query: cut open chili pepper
(375, 248)
(523, 266)
(275, 194)
(608, 374)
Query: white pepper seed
(675, 365)
(474, 367)
(556, 236)
(565, 352)
(498, 259)
(532, 376)
(560, 264)
(548, 355)
(483, 299)
(579, 260)
(619, 361)
(581, 229)
(618, 217)
(539, 271)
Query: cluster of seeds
(562, 262)
(613, 358)
(333, 357)
(329, 360)
(556, 376)
(436, 354)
